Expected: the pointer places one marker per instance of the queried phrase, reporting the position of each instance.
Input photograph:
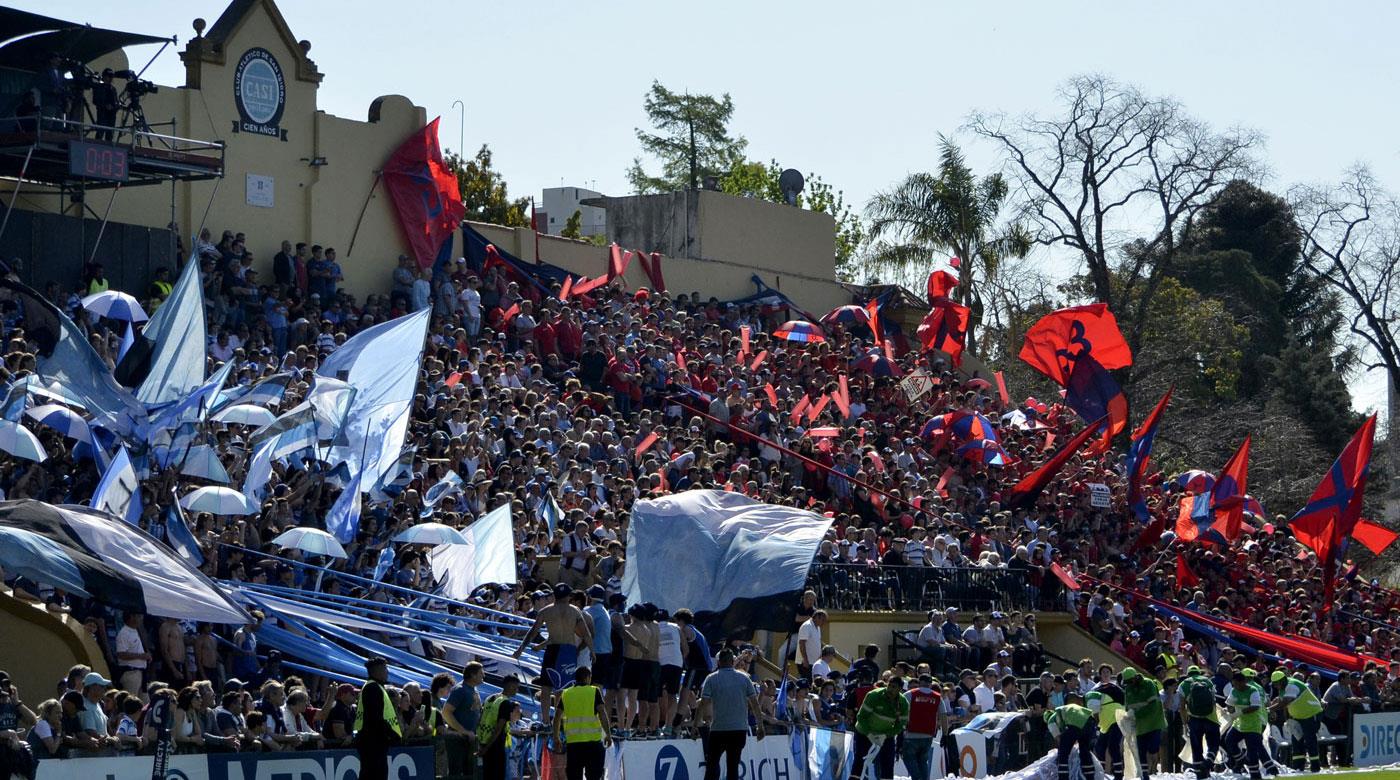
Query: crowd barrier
(920, 588)
(410, 763)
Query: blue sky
(857, 93)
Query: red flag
(943, 480)
(509, 314)
(1376, 537)
(453, 378)
(800, 408)
(945, 328)
(842, 397)
(1001, 390)
(680, 359)
(1053, 343)
(824, 433)
(1334, 510)
(872, 310)
(1138, 452)
(771, 393)
(1025, 491)
(758, 360)
(587, 285)
(567, 288)
(743, 340)
(645, 444)
(940, 283)
(1063, 576)
(1185, 578)
(815, 409)
(955, 261)
(618, 261)
(426, 197)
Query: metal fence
(920, 588)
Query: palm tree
(948, 212)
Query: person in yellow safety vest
(1106, 700)
(159, 290)
(96, 280)
(582, 719)
(376, 722)
(1302, 705)
(1248, 701)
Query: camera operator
(54, 89)
(104, 104)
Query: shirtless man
(641, 671)
(565, 625)
(172, 650)
(206, 655)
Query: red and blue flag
(1092, 393)
(1055, 342)
(944, 328)
(1333, 511)
(1139, 453)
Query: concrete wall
(721, 278)
(38, 647)
(314, 204)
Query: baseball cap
(1278, 676)
(93, 678)
(597, 592)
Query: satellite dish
(791, 183)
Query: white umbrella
(245, 414)
(20, 442)
(62, 419)
(219, 501)
(431, 533)
(115, 305)
(312, 541)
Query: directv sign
(1375, 738)
(260, 93)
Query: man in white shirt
(822, 668)
(984, 696)
(132, 657)
(809, 643)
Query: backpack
(1200, 700)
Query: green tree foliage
(691, 140)
(484, 191)
(753, 179)
(930, 215)
(573, 227)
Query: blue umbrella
(61, 419)
(29, 555)
(115, 305)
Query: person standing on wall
(727, 700)
(582, 720)
(376, 722)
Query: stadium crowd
(599, 401)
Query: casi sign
(260, 94)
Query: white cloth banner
(488, 556)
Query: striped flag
(178, 535)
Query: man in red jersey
(925, 722)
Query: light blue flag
(128, 339)
(177, 534)
(203, 462)
(831, 754)
(16, 396)
(449, 484)
(381, 363)
(550, 511)
(488, 556)
(386, 561)
(119, 492)
(180, 342)
(259, 471)
(193, 407)
(343, 521)
(292, 432)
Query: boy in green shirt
(882, 717)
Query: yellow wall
(38, 647)
(316, 205)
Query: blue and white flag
(203, 462)
(488, 556)
(128, 339)
(16, 396)
(194, 406)
(178, 535)
(68, 366)
(292, 432)
(381, 363)
(264, 392)
(167, 359)
(831, 754)
(119, 492)
(550, 511)
(740, 565)
(449, 484)
(343, 521)
(385, 562)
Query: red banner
(425, 194)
